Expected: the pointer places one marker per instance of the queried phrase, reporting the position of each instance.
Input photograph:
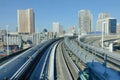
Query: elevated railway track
(58, 60)
(22, 66)
(112, 59)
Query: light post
(105, 55)
(79, 33)
(102, 40)
(7, 40)
(37, 38)
(102, 35)
(32, 38)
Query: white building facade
(106, 24)
(109, 26)
(84, 22)
(101, 19)
(57, 29)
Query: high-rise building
(103, 15)
(57, 28)
(112, 25)
(26, 21)
(71, 30)
(101, 19)
(118, 28)
(84, 22)
(109, 26)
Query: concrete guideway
(7, 58)
(51, 63)
(83, 56)
(73, 69)
(8, 69)
(90, 50)
(22, 66)
(41, 70)
(96, 57)
(112, 57)
(61, 66)
(97, 42)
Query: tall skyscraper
(112, 25)
(103, 15)
(109, 26)
(57, 28)
(118, 28)
(84, 22)
(71, 30)
(101, 19)
(26, 21)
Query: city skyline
(47, 12)
(59, 40)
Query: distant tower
(71, 30)
(101, 19)
(103, 15)
(110, 25)
(57, 28)
(118, 28)
(26, 21)
(84, 22)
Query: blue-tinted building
(109, 26)
(112, 25)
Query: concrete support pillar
(111, 47)
(78, 38)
